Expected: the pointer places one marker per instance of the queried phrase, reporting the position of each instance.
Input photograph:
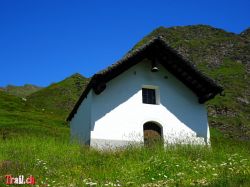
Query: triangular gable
(158, 50)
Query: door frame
(155, 127)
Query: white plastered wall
(118, 114)
(81, 122)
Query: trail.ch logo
(20, 180)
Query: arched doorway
(152, 134)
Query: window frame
(156, 94)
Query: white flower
(180, 174)
(223, 164)
(243, 160)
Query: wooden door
(152, 134)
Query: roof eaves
(111, 69)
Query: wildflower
(91, 183)
(180, 174)
(243, 160)
(223, 164)
(202, 181)
(171, 180)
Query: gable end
(155, 50)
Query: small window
(148, 96)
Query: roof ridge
(181, 71)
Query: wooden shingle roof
(204, 87)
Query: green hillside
(225, 57)
(21, 91)
(43, 112)
(17, 120)
(58, 98)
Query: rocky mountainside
(246, 34)
(225, 57)
(205, 44)
(21, 91)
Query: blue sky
(45, 41)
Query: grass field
(36, 143)
(53, 161)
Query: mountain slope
(17, 120)
(9, 102)
(225, 57)
(246, 34)
(43, 113)
(58, 98)
(204, 44)
(21, 91)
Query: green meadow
(36, 143)
(54, 161)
